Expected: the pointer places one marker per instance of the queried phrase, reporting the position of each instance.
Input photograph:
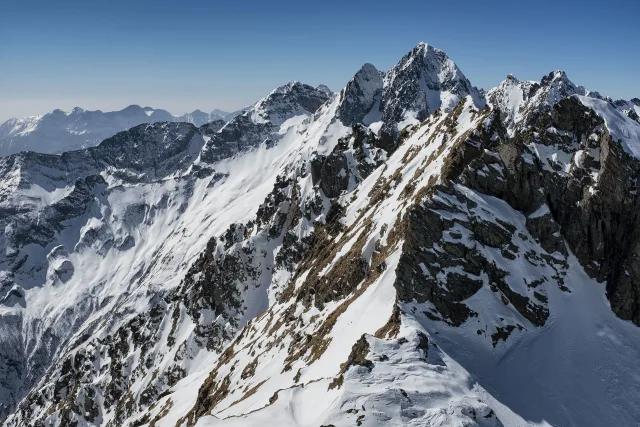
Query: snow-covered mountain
(60, 131)
(403, 252)
(424, 80)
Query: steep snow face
(61, 131)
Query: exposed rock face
(591, 201)
(596, 217)
(361, 95)
(451, 242)
(351, 161)
(378, 257)
(520, 101)
(258, 125)
(424, 80)
(333, 172)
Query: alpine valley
(410, 251)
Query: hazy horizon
(107, 55)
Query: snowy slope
(60, 131)
(132, 201)
(629, 108)
(622, 127)
(400, 253)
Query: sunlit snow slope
(402, 253)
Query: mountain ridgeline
(409, 251)
(59, 131)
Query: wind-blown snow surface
(295, 268)
(60, 131)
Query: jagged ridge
(314, 269)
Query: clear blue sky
(224, 54)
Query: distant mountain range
(409, 251)
(60, 131)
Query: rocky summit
(409, 251)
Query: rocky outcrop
(586, 197)
(352, 160)
(315, 244)
(361, 96)
(257, 125)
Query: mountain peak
(289, 100)
(556, 75)
(424, 80)
(423, 47)
(429, 54)
(367, 69)
(360, 95)
(512, 79)
(325, 89)
(132, 107)
(519, 101)
(287, 87)
(560, 86)
(219, 112)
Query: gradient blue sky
(225, 54)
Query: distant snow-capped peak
(59, 131)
